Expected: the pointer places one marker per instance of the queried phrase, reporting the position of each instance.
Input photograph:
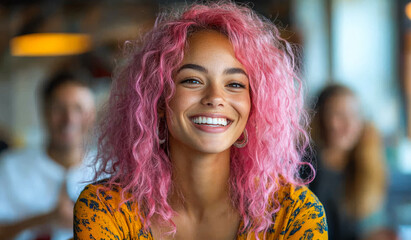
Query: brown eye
(191, 81)
(236, 85)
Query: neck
(66, 157)
(200, 181)
(334, 158)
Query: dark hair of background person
(59, 79)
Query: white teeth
(210, 121)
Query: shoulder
(99, 193)
(291, 195)
(22, 167)
(20, 154)
(90, 157)
(17, 163)
(18, 173)
(301, 213)
(102, 212)
(22, 159)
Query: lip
(211, 128)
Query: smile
(201, 120)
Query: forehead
(72, 92)
(211, 49)
(342, 102)
(211, 37)
(207, 40)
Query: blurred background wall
(364, 44)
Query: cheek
(54, 120)
(243, 105)
(355, 130)
(86, 122)
(175, 105)
(178, 106)
(182, 100)
(334, 124)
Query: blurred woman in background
(351, 174)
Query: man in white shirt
(38, 187)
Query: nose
(71, 116)
(213, 96)
(338, 124)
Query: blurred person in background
(351, 176)
(38, 186)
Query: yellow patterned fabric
(300, 217)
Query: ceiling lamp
(50, 44)
(408, 10)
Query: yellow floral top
(300, 217)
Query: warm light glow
(50, 44)
(408, 10)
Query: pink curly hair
(129, 147)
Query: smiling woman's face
(211, 104)
(342, 121)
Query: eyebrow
(203, 69)
(235, 71)
(193, 66)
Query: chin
(68, 144)
(213, 148)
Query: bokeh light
(50, 44)
(408, 10)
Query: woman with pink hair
(203, 136)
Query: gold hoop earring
(160, 141)
(243, 142)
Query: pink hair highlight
(129, 148)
